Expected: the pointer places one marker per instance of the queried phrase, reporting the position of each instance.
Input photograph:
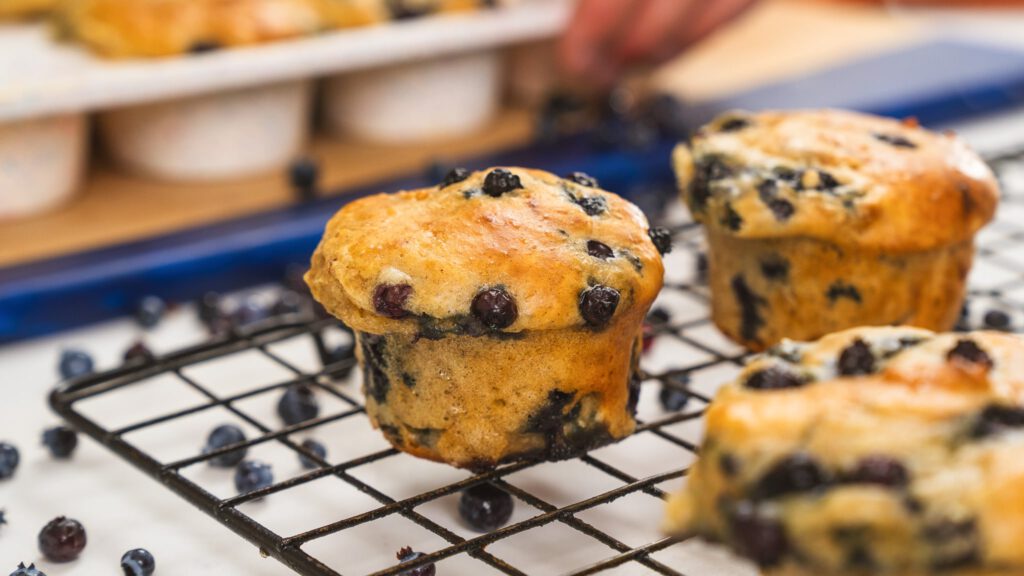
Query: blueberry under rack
(688, 354)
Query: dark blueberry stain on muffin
(750, 304)
(796, 474)
(393, 434)
(786, 174)
(859, 558)
(707, 170)
(895, 140)
(856, 359)
(775, 268)
(955, 543)
(499, 182)
(841, 290)
(375, 362)
(638, 264)
(599, 250)
(996, 419)
(430, 328)
(597, 305)
(204, 47)
(827, 181)
(734, 124)
(662, 240)
(968, 351)
(758, 537)
(731, 219)
(454, 176)
(582, 179)
(768, 192)
(495, 308)
(549, 415)
(406, 10)
(774, 378)
(426, 437)
(880, 470)
(567, 431)
(389, 300)
(729, 465)
(409, 380)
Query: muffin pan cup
(803, 288)
(41, 163)
(212, 137)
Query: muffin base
(479, 401)
(800, 288)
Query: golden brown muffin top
(842, 177)
(498, 251)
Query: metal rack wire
(1001, 248)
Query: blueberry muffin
(498, 315)
(819, 221)
(871, 451)
(149, 28)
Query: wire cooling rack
(606, 504)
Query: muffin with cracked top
(872, 451)
(819, 221)
(498, 315)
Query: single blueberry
(138, 353)
(997, 320)
(662, 240)
(62, 540)
(61, 441)
(599, 250)
(881, 470)
(996, 419)
(9, 459)
(659, 317)
(389, 300)
(597, 305)
(3, 517)
(454, 176)
(138, 562)
(495, 308)
(298, 404)
(252, 475)
(499, 182)
(74, 364)
(672, 398)
(31, 570)
(406, 555)
(150, 311)
(774, 378)
(222, 436)
(856, 359)
(485, 507)
(318, 450)
(792, 475)
(250, 310)
(758, 537)
(582, 179)
(968, 351)
(208, 308)
(304, 177)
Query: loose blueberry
(222, 436)
(598, 304)
(138, 562)
(996, 419)
(138, 353)
(774, 378)
(454, 176)
(252, 475)
(250, 310)
(674, 399)
(298, 404)
(583, 179)
(895, 140)
(969, 352)
(150, 311)
(662, 240)
(74, 364)
(792, 475)
(318, 450)
(407, 555)
(389, 300)
(62, 540)
(758, 537)
(208, 308)
(499, 182)
(31, 570)
(997, 320)
(599, 250)
(495, 308)
(61, 441)
(880, 470)
(304, 177)
(288, 303)
(856, 359)
(3, 517)
(9, 459)
(485, 507)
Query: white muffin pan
(237, 112)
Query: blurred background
(167, 166)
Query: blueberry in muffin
(872, 451)
(819, 221)
(498, 316)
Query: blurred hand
(608, 36)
